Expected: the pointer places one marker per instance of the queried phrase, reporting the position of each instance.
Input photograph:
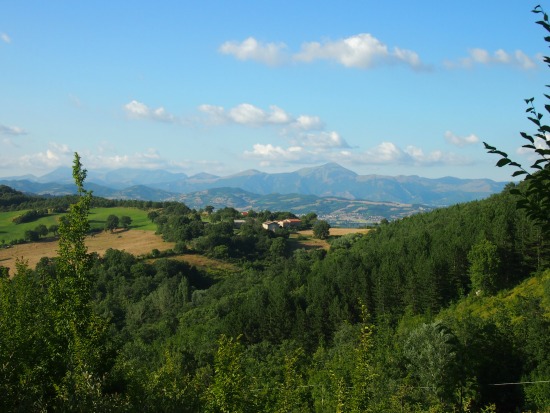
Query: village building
(271, 225)
(290, 223)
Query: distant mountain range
(335, 193)
(330, 180)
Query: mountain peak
(332, 168)
(248, 172)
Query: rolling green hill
(9, 231)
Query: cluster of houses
(291, 223)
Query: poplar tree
(79, 331)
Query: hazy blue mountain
(56, 189)
(330, 180)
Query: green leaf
(527, 136)
(518, 173)
(503, 161)
(534, 120)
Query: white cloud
(247, 114)
(149, 159)
(275, 155)
(390, 154)
(54, 156)
(538, 143)
(479, 56)
(321, 141)
(453, 139)
(5, 38)
(385, 153)
(11, 130)
(362, 51)
(251, 49)
(305, 122)
(138, 110)
(216, 114)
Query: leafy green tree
(484, 267)
(308, 220)
(363, 374)
(321, 229)
(53, 229)
(228, 392)
(153, 215)
(112, 223)
(431, 354)
(125, 221)
(535, 198)
(31, 235)
(27, 368)
(42, 230)
(291, 394)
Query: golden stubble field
(314, 243)
(138, 242)
(133, 241)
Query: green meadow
(9, 231)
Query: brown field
(133, 241)
(139, 242)
(337, 232)
(314, 243)
(202, 262)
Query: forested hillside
(436, 312)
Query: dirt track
(134, 241)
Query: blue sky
(392, 88)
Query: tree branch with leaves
(535, 196)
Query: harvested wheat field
(313, 243)
(337, 232)
(133, 241)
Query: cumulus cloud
(385, 153)
(150, 159)
(138, 110)
(539, 143)
(11, 130)
(389, 153)
(305, 122)
(478, 56)
(251, 49)
(55, 155)
(460, 141)
(304, 148)
(247, 114)
(270, 154)
(320, 141)
(362, 51)
(5, 38)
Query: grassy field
(98, 216)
